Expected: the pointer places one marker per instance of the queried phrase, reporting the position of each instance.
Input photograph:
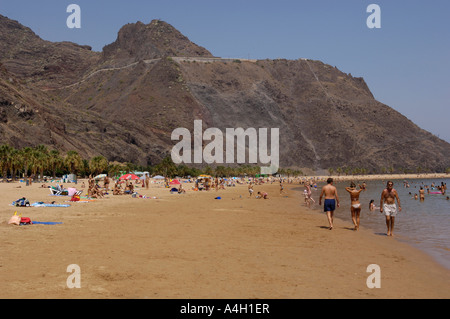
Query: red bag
(25, 220)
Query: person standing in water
(387, 204)
(355, 204)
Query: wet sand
(195, 246)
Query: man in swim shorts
(387, 203)
(331, 199)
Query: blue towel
(46, 223)
(41, 204)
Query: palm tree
(55, 161)
(73, 162)
(230, 171)
(115, 168)
(289, 172)
(16, 162)
(167, 167)
(26, 154)
(5, 159)
(220, 171)
(40, 159)
(98, 164)
(208, 170)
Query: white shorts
(390, 210)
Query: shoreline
(195, 246)
(379, 177)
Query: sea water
(423, 224)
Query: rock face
(125, 102)
(138, 41)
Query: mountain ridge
(124, 102)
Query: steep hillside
(125, 102)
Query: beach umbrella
(158, 177)
(100, 176)
(175, 182)
(129, 176)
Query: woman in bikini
(356, 205)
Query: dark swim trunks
(329, 205)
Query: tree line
(41, 161)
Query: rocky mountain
(125, 101)
(137, 42)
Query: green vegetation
(39, 161)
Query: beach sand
(195, 246)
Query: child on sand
(263, 195)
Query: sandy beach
(195, 246)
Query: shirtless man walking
(387, 203)
(331, 199)
(356, 205)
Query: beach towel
(42, 204)
(46, 223)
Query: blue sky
(406, 62)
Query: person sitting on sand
(117, 189)
(355, 204)
(263, 195)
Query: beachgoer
(281, 188)
(331, 200)
(147, 180)
(363, 186)
(305, 194)
(355, 208)
(422, 194)
(263, 195)
(372, 206)
(387, 204)
(250, 189)
(309, 195)
(106, 183)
